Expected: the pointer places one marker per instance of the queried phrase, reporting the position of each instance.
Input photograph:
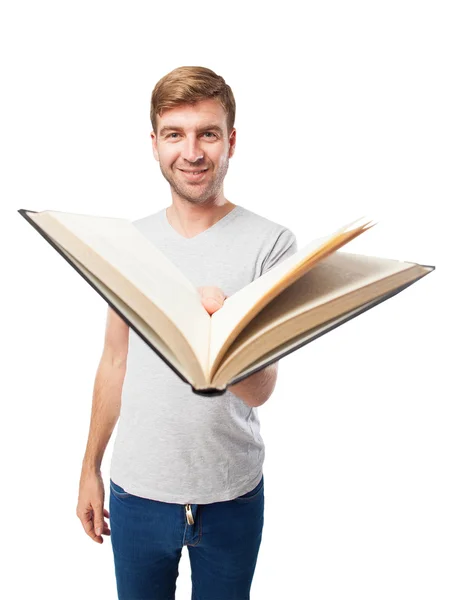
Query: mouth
(194, 175)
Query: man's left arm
(255, 389)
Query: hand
(90, 509)
(212, 298)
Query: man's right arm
(107, 394)
(106, 405)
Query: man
(186, 469)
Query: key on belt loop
(189, 514)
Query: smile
(194, 175)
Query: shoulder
(277, 241)
(262, 224)
(259, 221)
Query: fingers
(98, 519)
(106, 530)
(88, 525)
(91, 525)
(212, 298)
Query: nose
(191, 150)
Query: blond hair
(187, 85)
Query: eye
(171, 134)
(209, 133)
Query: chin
(200, 197)
(200, 200)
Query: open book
(303, 297)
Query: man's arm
(107, 393)
(106, 405)
(258, 387)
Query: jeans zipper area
(189, 514)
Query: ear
(154, 144)
(232, 140)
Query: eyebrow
(168, 128)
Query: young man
(186, 469)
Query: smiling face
(193, 148)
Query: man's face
(193, 148)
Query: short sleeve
(284, 246)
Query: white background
(342, 111)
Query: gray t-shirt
(173, 445)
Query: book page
(132, 317)
(130, 253)
(242, 307)
(340, 283)
(298, 341)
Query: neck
(190, 219)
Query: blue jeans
(223, 542)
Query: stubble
(196, 193)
